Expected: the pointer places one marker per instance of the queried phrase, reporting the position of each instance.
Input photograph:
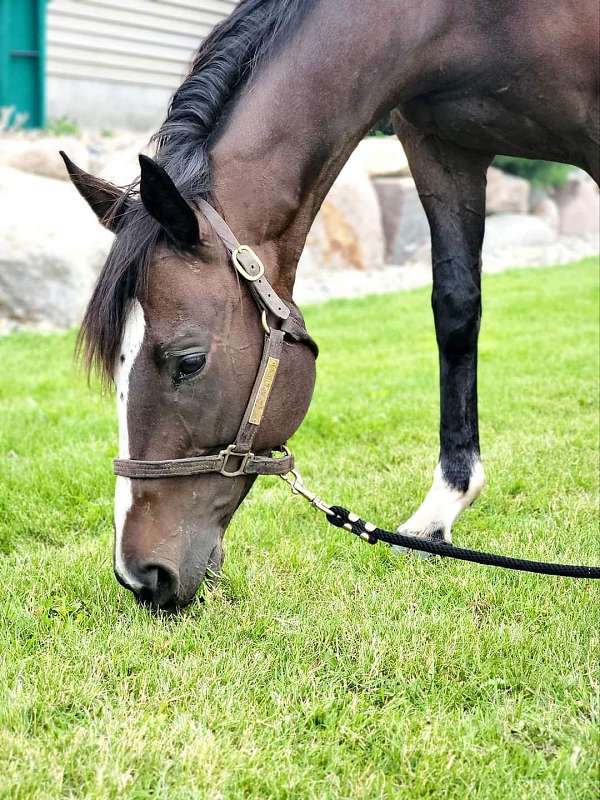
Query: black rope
(342, 518)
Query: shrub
(62, 126)
(547, 174)
(383, 127)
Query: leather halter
(238, 458)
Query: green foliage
(63, 126)
(383, 128)
(319, 667)
(546, 174)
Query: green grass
(320, 667)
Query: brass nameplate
(264, 390)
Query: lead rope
(340, 517)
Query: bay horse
(277, 98)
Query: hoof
(437, 536)
(403, 551)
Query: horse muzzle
(168, 581)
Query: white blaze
(133, 336)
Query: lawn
(319, 667)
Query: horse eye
(189, 365)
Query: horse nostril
(160, 585)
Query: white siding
(145, 46)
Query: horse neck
(295, 125)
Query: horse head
(177, 331)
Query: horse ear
(101, 196)
(163, 201)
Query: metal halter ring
(243, 248)
(264, 323)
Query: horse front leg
(451, 184)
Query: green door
(22, 58)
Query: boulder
(506, 194)
(121, 165)
(382, 156)
(40, 156)
(347, 231)
(308, 265)
(503, 231)
(405, 224)
(51, 250)
(546, 209)
(578, 204)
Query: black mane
(197, 114)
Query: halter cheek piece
(238, 458)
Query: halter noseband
(238, 458)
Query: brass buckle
(230, 452)
(243, 248)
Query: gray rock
(506, 194)
(546, 209)
(51, 250)
(516, 230)
(383, 156)
(578, 204)
(40, 156)
(348, 231)
(404, 221)
(121, 165)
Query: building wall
(115, 64)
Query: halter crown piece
(238, 458)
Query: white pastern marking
(133, 336)
(443, 504)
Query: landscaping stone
(404, 221)
(40, 156)
(578, 204)
(516, 230)
(348, 231)
(316, 283)
(51, 250)
(506, 193)
(51, 246)
(383, 156)
(546, 209)
(121, 164)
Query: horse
(277, 98)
